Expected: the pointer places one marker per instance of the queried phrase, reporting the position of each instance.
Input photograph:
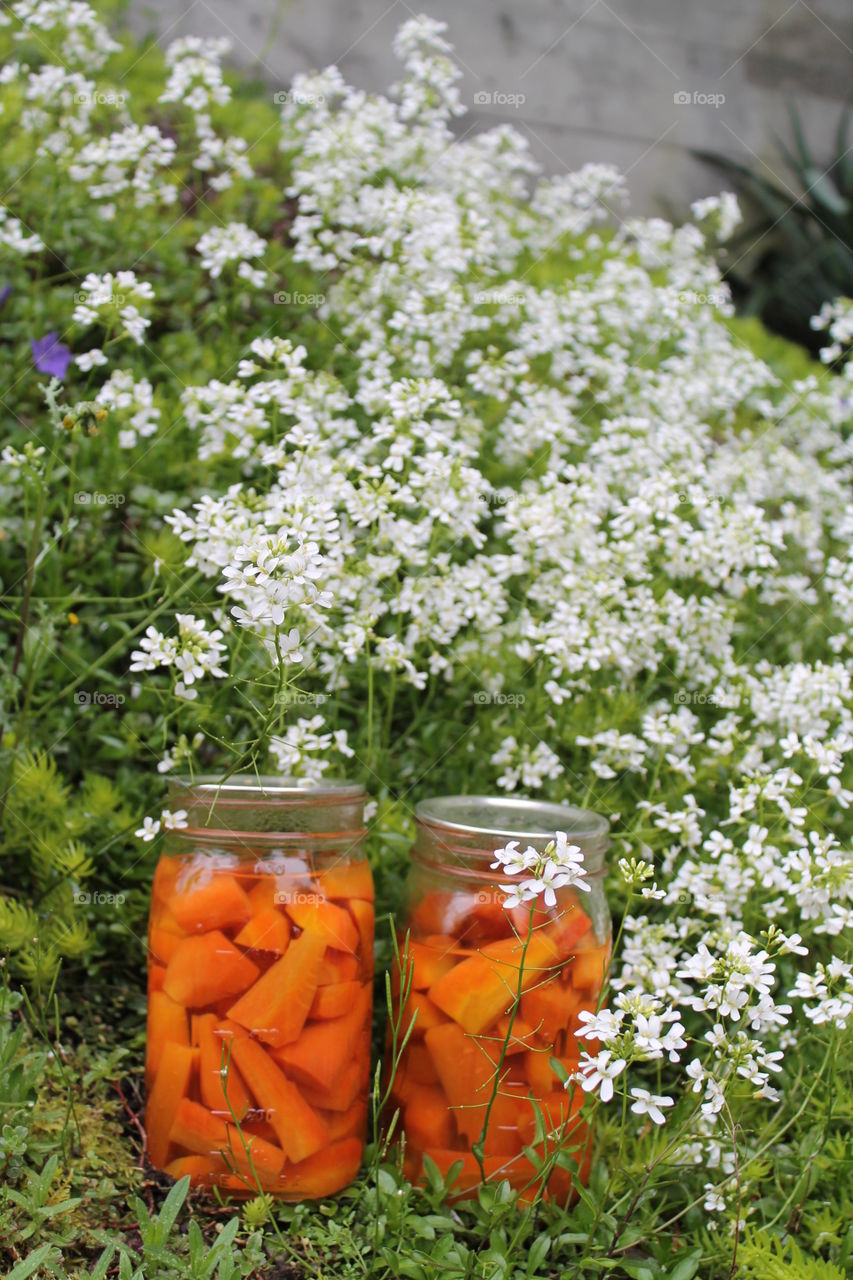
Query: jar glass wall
(260, 965)
(493, 993)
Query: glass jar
(493, 996)
(260, 965)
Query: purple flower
(50, 355)
(4, 293)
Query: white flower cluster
(233, 243)
(194, 652)
(114, 302)
(14, 237)
(131, 404)
(130, 159)
(303, 750)
(558, 866)
(196, 84)
(837, 318)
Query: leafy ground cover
(334, 444)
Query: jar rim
(274, 789)
(510, 817)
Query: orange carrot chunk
(324, 1049)
(326, 1172)
(334, 1000)
(204, 1171)
(567, 930)
(218, 1072)
(540, 1074)
(362, 914)
(589, 968)
(466, 1075)
(427, 962)
(332, 923)
(476, 992)
(337, 966)
(156, 974)
(347, 880)
(343, 1093)
(167, 1021)
(426, 1118)
(549, 1009)
(207, 968)
(269, 930)
(217, 903)
(425, 1014)
(162, 942)
(300, 1130)
(276, 1007)
(171, 1085)
(351, 1123)
(203, 1133)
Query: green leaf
(29, 1265)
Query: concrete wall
(637, 84)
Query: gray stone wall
(636, 84)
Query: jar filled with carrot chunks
(489, 985)
(260, 967)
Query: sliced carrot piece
(523, 1036)
(300, 1130)
(324, 1049)
(206, 968)
(335, 999)
(269, 930)
(476, 992)
(332, 923)
(466, 1075)
(363, 915)
(426, 1118)
(204, 1171)
(567, 930)
(214, 1057)
(217, 903)
(260, 1129)
(276, 1007)
(347, 880)
(351, 1123)
(167, 1023)
(326, 1172)
(485, 920)
(540, 1074)
(549, 1009)
(156, 974)
(342, 1094)
(262, 895)
(420, 1067)
(162, 942)
(199, 1131)
(437, 913)
(558, 1107)
(589, 969)
(170, 1087)
(427, 961)
(337, 966)
(426, 1015)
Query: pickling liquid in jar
(495, 995)
(260, 968)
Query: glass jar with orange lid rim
(260, 966)
(492, 987)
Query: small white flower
(174, 821)
(149, 829)
(650, 1104)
